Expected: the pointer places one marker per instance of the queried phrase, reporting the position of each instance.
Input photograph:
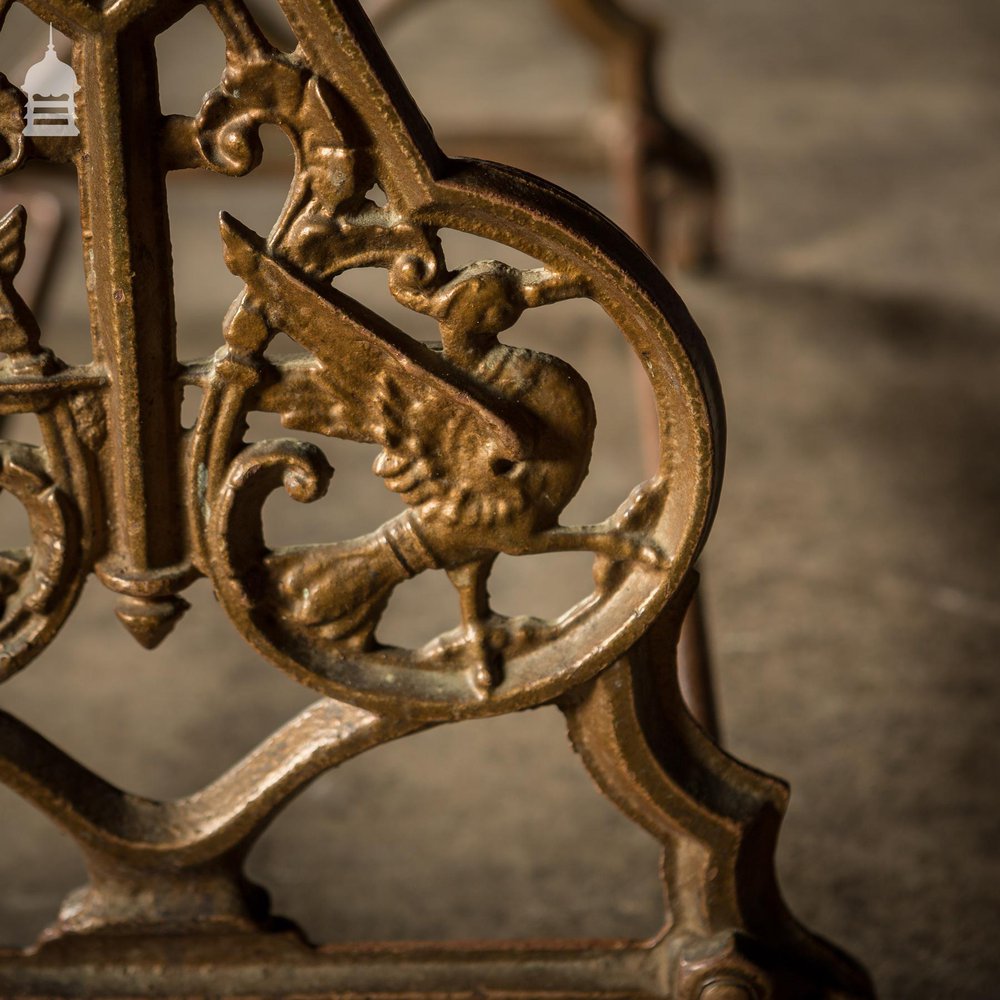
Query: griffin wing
(376, 379)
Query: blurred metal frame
(667, 184)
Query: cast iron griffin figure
(485, 442)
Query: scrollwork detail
(39, 585)
(328, 223)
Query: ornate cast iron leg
(485, 443)
(728, 933)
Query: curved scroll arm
(260, 469)
(233, 810)
(180, 862)
(41, 584)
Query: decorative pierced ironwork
(485, 443)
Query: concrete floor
(852, 585)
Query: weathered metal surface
(485, 443)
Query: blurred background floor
(853, 595)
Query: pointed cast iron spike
(240, 245)
(149, 622)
